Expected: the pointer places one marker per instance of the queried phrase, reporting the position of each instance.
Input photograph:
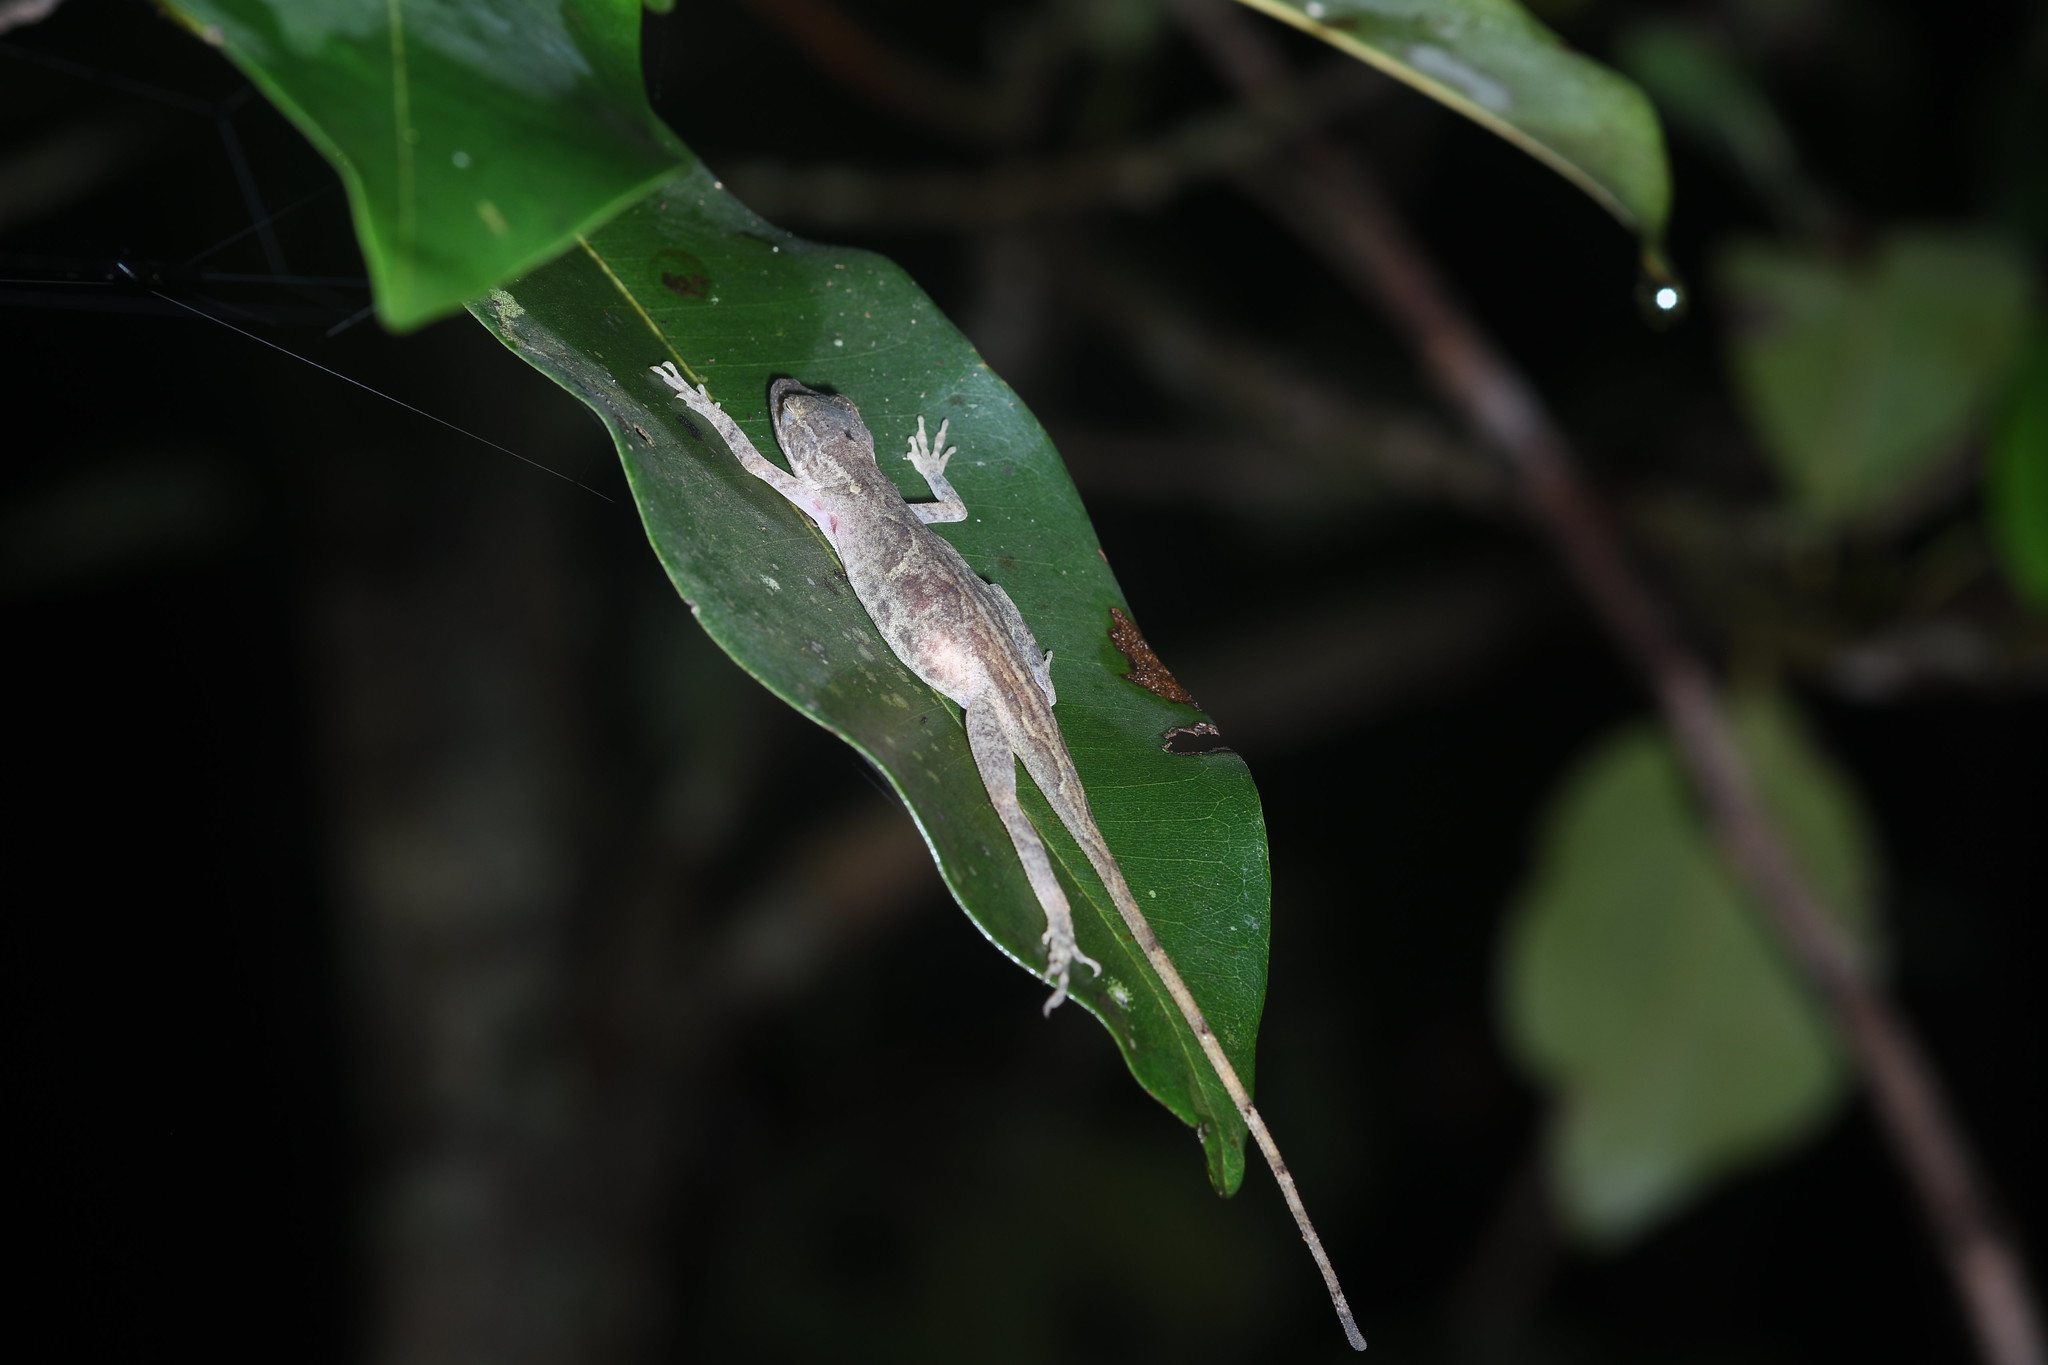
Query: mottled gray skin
(965, 638)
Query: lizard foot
(930, 457)
(1061, 955)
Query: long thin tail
(1112, 876)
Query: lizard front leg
(998, 765)
(930, 458)
(699, 401)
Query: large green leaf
(1860, 378)
(1495, 64)
(2018, 492)
(477, 138)
(690, 275)
(1640, 986)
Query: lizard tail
(1091, 843)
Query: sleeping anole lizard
(965, 638)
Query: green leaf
(1640, 986)
(2018, 492)
(1702, 87)
(477, 138)
(1495, 64)
(1859, 379)
(691, 275)
(545, 105)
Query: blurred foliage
(1700, 85)
(1641, 984)
(2019, 482)
(1861, 378)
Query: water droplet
(1660, 294)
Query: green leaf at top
(1495, 64)
(2018, 491)
(1640, 986)
(690, 275)
(476, 138)
(1859, 378)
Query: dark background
(426, 947)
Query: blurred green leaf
(1640, 987)
(691, 275)
(1701, 86)
(1495, 64)
(2018, 490)
(1859, 379)
(477, 138)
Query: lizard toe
(1059, 994)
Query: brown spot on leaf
(1199, 738)
(1146, 670)
(641, 432)
(683, 274)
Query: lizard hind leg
(998, 767)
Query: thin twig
(1328, 198)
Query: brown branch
(1328, 198)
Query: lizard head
(821, 433)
